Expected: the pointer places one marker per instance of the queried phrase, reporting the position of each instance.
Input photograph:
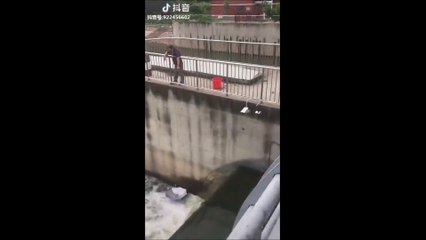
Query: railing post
(210, 47)
(198, 46)
(261, 84)
(196, 72)
(252, 49)
(205, 47)
(226, 80)
(275, 54)
(228, 46)
(258, 52)
(230, 57)
(170, 66)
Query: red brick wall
(231, 1)
(248, 9)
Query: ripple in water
(163, 217)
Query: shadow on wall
(216, 178)
(255, 164)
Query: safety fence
(230, 78)
(240, 49)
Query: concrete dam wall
(189, 134)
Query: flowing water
(216, 216)
(163, 217)
(210, 216)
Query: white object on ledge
(176, 193)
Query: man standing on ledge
(177, 61)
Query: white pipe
(247, 101)
(250, 225)
(275, 233)
(260, 101)
(246, 216)
(271, 223)
(270, 170)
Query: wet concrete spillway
(203, 143)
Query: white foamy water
(163, 217)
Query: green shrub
(273, 13)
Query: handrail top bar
(214, 40)
(219, 61)
(224, 15)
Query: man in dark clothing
(177, 61)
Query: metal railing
(231, 78)
(240, 49)
(241, 18)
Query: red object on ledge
(217, 82)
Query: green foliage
(273, 13)
(226, 7)
(202, 18)
(195, 9)
(276, 13)
(205, 7)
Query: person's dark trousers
(179, 72)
